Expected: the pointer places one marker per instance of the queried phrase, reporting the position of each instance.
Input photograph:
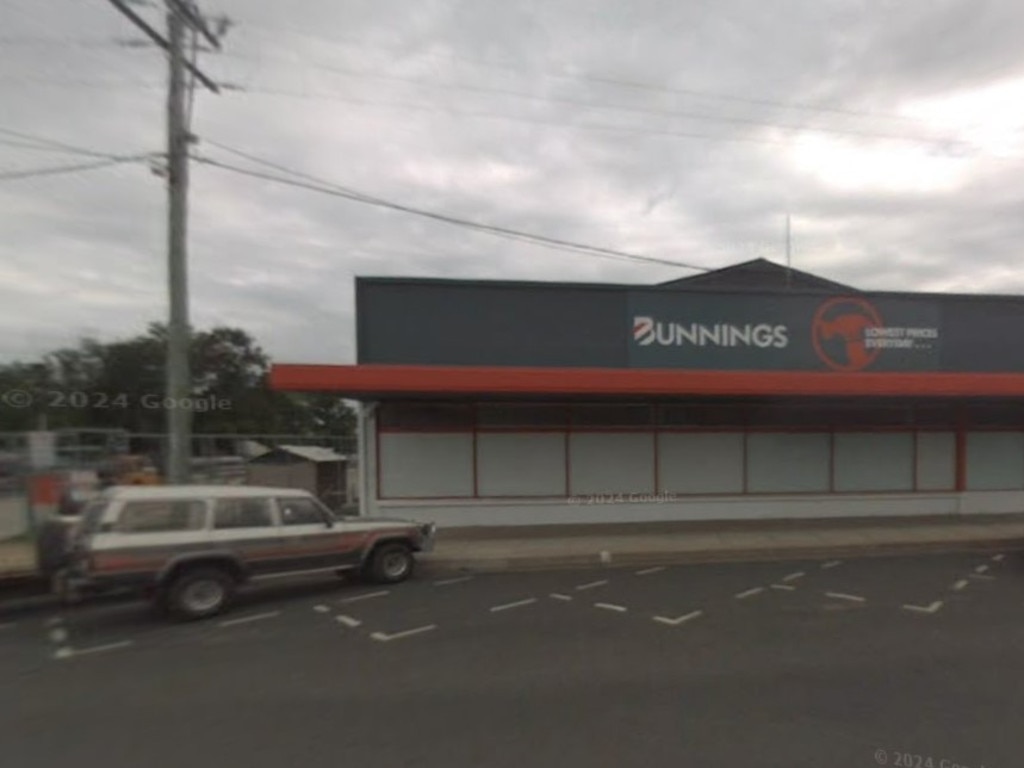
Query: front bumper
(428, 532)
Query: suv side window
(161, 516)
(242, 513)
(300, 511)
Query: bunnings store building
(749, 392)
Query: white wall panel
(874, 461)
(611, 462)
(695, 463)
(783, 462)
(995, 461)
(510, 464)
(426, 464)
(936, 461)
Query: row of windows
(181, 515)
(455, 416)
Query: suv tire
(391, 563)
(198, 593)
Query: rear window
(160, 516)
(243, 513)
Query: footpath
(520, 548)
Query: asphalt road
(825, 664)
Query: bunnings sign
(757, 332)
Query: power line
(62, 169)
(687, 115)
(347, 193)
(55, 145)
(518, 68)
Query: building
(313, 468)
(753, 391)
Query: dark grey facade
(705, 325)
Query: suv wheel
(391, 563)
(200, 592)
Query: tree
(120, 384)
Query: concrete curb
(440, 564)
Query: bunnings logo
(648, 331)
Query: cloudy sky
(890, 131)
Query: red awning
(368, 381)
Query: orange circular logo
(838, 333)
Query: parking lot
(787, 663)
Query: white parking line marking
(679, 619)
(517, 604)
(794, 576)
(348, 621)
(254, 617)
(786, 587)
(322, 608)
(750, 593)
(924, 608)
(982, 576)
(998, 558)
(367, 596)
(981, 569)
(646, 571)
(407, 633)
(844, 596)
(831, 564)
(66, 653)
(593, 584)
(58, 635)
(606, 556)
(611, 607)
(559, 596)
(961, 584)
(446, 582)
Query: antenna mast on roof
(789, 253)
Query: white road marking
(53, 622)
(924, 608)
(794, 576)
(786, 587)
(831, 564)
(593, 584)
(322, 608)
(446, 582)
(559, 596)
(750, 593)
(63, 653)
(517, 604)
(59, 635)
(407, 633)
(961, 584)
(981, 569)
(844, 596)
(646, 571)
(998, 558)
(348, 621)
(611, 607)
(367, 596)
(606, 557)
(679, 619)
(982, 576)
(97, 648)
(247, 619)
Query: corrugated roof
(315, 453)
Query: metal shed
(316, 469)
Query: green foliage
(120, 384)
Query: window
(301, 512)
(612, 416)
(521, 415)
(242, 513)
(425, 416)
(160, 516)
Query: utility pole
(179, 417)
(182, 16)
